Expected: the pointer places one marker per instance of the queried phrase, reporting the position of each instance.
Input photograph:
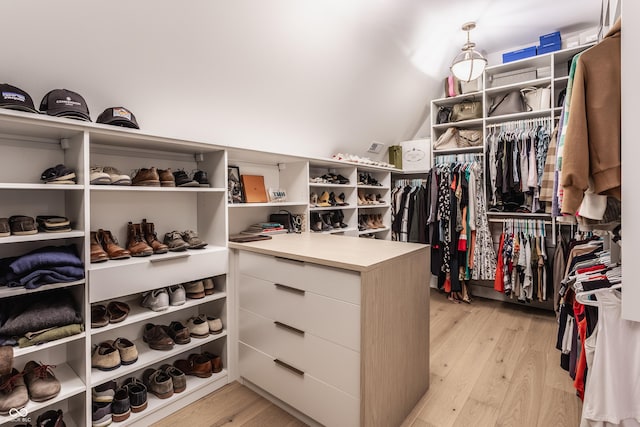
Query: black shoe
(201, 178)
(183, 180)
(316, 222)
(59, 174)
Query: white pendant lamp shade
(469, 64)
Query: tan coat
(592, 143)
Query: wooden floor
(492, 364)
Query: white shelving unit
(48, 141)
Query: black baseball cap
(118, 116)
(65, 103)
(15, 99)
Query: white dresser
(335, 327)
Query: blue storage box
(551, 47)
(519, 54)
(550, 38)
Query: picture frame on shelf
(234, 185)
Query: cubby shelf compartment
(18, 290)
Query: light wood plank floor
(492, 364)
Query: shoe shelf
(160, 189)
(263, 205)
(372, 187)
(42, 237)
(373, 206)
(194, 384)
(169, 256)
(327, 185)
(336, 230)
(28, 186)
(140, 314)
(148, 357)
(21, 351)
(372, 230)
(70, 385)
(19, 290)
(329, 208)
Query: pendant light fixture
(469, 64)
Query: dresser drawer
(333, 320)
(310, 396)
(116, 278)
(327, 361)
(331, 282)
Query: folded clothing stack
(38, 318)
(53, 224)
(47, 265)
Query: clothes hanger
(583, 296)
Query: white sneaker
(98, 177)
(116, 177)
(156, 300)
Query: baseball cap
(15, 99)
(65, 103)
(118, 116)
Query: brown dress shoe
(150, 236)
(197, 365)
(166, 178)
(156, 337)
(97, 253)
(147, 177)
(135, 241)
(216, 361)
(110, 245)
(41, 382)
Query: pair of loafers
(113, 312)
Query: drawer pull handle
(281, 258)
(163, 259)
(289, 289)
(289, 367)
(289, 328)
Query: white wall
(630, 154)
(297, 76)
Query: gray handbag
(469, 138)
(511, 103)
(466, 110)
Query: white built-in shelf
(42, 236)
(21, 351)
(193, 384)
(329, 208)
(263, 205)
(160, 189)
(563, 79)
(375, 205)
(518, 85)
(334, 230)
(460, 124)
(140, 314)
(373, 187)
(462, 150)
(457, 99)
(320, 184)
(519, 116)
(27, 186)
(70, 385)
(148, 357)
(6, 291)
(557, 110)
(157, 258)
(372, 230)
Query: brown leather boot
(97, 252)
(150, 236)
(110, 245)
(135, 241)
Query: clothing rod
(540, 121)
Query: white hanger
(583, 297)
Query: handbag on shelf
(452, 86)
(469, 138)
(510, 103)
(444, 115)
(537, 98)
(447, 140)
(466, 110)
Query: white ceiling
(308, 77)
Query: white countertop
(351, 253)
